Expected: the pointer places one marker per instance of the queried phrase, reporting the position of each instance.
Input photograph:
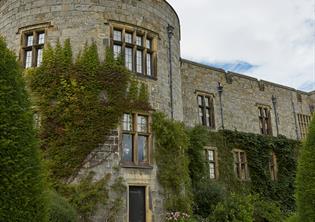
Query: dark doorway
(137, 204)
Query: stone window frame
(135, 163)
(304, 122)
(206, 109)
(146, 35)
(240, 166)
(214, 161)
(273, 166)
(264, 118)
(36, 46)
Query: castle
(147, 33)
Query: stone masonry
(92, 20)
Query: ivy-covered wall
(79, 103)
(258, 150)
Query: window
(211, 156)
(137, 48)
(304, 121)
(136, 138)
(264, 120)
(33, 45)
(273, 167)
(240, 164)
(206, 111)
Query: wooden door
(137, 210)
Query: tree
(21, 178)
(305, 179)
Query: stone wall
(241, 95)
(89, 20)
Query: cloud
(276, 36)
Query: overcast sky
(272, 40)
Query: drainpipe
(274, 103)
(220, 91)
(295, 121)
(170, 32)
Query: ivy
(172, 160)
(79, 103)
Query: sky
(273, 40)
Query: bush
(266, 211)
(235, 208)
(60, 210)
(292, 218)
(305, 179)
(21, 177)
(207, 194)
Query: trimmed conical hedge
(21, 180)
(305, 179)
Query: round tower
(99, 20)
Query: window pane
(128, 38)
(208, 117)
(212, 170)
(117, 35)
(200, 100)
(117, 51)
(207, 101)
(29, 40)
(127, 147)
(243, 157)
(41, 38)
(149, 61)
(128, 58)
(149, 43)
(210, 155)
(142, 124)
(127, 122)
(201, 115)
(39, 57)
(142, 148)
(28, 59)
(139, 40)
(139, 61)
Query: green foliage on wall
(79, 103)
(258, 150)
(305, 180)
(172, 161)
(21, 174)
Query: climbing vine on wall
(172, 161)
(79, 103)
(258, 149)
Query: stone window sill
(136, 166)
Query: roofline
(245, 76)
(202, 65)
(178, 20)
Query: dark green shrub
(235, 208)
(21, 177)
(60, 210)
(266, 211)
(292, 218)
(305, 179)
(207, 194)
